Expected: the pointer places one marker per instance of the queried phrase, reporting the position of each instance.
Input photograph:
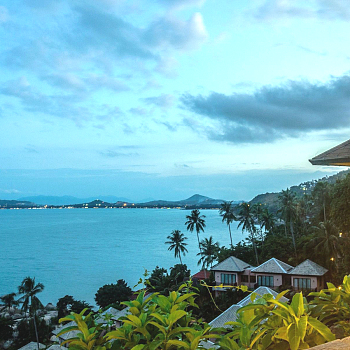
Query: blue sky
(167, 98)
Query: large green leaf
(322, 329)
(293, 336)
(297, 304)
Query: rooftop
(232, 264)
(308, 268)
(273, 266)
(338, 155)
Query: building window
(302, 283)
(266, 281)
(244, 278)
(252, 279)
(228, 279)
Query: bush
(113, 294)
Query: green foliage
(64, 305)
(6, 328)
(26, 332)
(332, 306)
(340, 205)
(271, 324)
(113, 293)
(208, 253)
(155, 322)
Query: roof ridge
(224, 312)
(279, 265)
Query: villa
(273, 273)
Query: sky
(163, 99)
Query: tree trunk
(36, 330)
(255, 249)
(229, 229)
(324, 212)
(180, 258)
(199, 245)
(293, 238)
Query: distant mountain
(66, 200)
(271, 199)
(196, 200)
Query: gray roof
(56, 347)
(273, 266)
(32, 346)
(232, 264)
(308, 268)
(338, 155)
(231, 313)
(228, 315)
(261, 291)
(68, 335)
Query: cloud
(272, 113)
(172, 32)
(181, 3)
(116, 154)
(10, 191)
(322, 9)
(162, 101)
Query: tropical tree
(288, 211)
(321, 195)
(257, 211)
(327, 244)
(226, 211)
(177, 243)
(208, 253)
(246, 221)
(9, 300)
(29, 299)
(268, 220)
(195, 221)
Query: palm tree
(226, 211)
(195, 221)
(246, 220)
(268, 220)
(288, 212)
(327, 244)
(9, 300)
(321, 195)
(29, 300)
(176, 241)
(208, 253)
(257, 211)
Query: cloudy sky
(167, 98)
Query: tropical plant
(155, 322)
(332, 306)
(9, 300)
(246, 220)
(272, 324)
(288, 211)
(208, 253)
(177, 243)
(195, 221)
(228, 216)
(30, 301)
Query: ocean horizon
(77, 251)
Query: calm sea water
(77, 251)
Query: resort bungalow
(233, 272)
(308, 275)
(273, 273)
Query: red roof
(201, 275)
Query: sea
(77, 251)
